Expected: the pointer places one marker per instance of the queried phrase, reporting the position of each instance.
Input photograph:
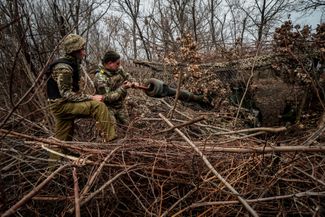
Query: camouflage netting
(278, 83)
(193, 78)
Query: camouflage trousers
(121, 115)
(66, 112)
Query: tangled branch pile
(153, 171)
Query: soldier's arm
(126, 75)
(62, 73)
(102, 88)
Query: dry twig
(27, 197)
(209, 165)
(76, 192)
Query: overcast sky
(312, 19)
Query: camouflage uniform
(66, 102)
(109, 84)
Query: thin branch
(83, 161)
(39, 77)
(93, 178)
(261, 129)
(209, 165)
(215, 203)
(248, 83)
(2, 27)
(262, 150)
(182, 125)
(51, 141)
(177, 202)
(27, 197)
(109, 182)
(179, 83)
(76, 192)
(310, 176)
(314, 136)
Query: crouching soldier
(112, 82)
(67, 102)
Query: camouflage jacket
(109, 84)
(62, 74)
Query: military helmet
(73, 42)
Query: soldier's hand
(135, 84)
(99, 98)
(127, 84)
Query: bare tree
(132, 9)
(311, 4)
(212, 7)
(35, 29)
(263, 15)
